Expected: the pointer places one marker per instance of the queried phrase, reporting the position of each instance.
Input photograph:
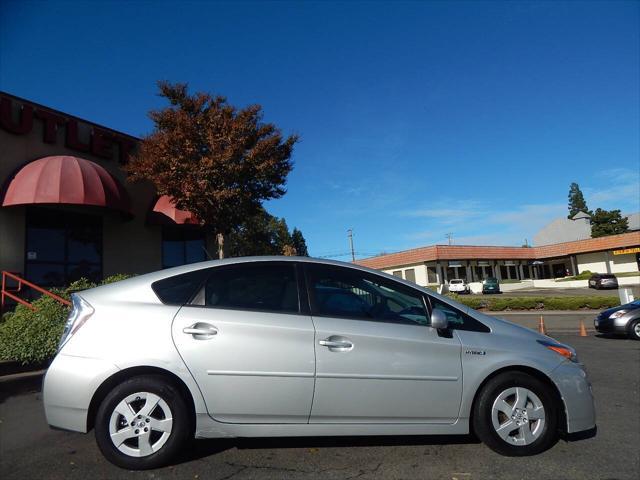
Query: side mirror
(439, 320)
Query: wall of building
(420, 271)
(624, 263)
(594, 262)
(129, 245)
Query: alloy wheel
(518, 416)
(140, 424)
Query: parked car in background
(603, 280)
(457, 285)
(491, 285)
(620, 320)
(292, 346)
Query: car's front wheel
(634, 330)
(142, 423)
(515, 415)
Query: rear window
(453, 282)
(179, 289)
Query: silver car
(286, 346)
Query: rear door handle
(201, 331)
(336, 344)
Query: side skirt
(208, 428)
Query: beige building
(437, 264)
(66, 210)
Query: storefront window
(62, 246)
(182, 245)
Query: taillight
(79, 314)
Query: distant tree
(577, 203)
(281, 235)
(299, 243)
(254, 236)
(608, 222)
(261, 234)
(216, 161)
(289, 251)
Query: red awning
(167, 212)
(66, 180)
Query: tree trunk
(220, 241)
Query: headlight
(565, 350)
(618, 314)
(80, 313)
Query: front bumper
(616, 326)
(68, 388)
(575, 390)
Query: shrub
(585, 275)
(498, 304)
(32, 336)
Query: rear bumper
(576, 393)
(68, 388)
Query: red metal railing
(21, 281)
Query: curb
(19, 383)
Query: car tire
(143, 423)
(515, 415)
(634, 329)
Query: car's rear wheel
(142, 423)
(515, 415)
(634, 329)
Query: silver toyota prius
(290, 346)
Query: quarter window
(261, 287)
(339, 292)
(179, 289)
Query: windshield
(455, 281)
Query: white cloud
(619, 188)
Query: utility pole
(450, 238)
(350, 234)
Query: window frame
(303, 304)
(401, 287)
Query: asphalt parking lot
(29, 449)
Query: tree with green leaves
(261, 234)
(214, 160)
(608, 222)
(577, 203)
(299, 243)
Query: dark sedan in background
(621, 320)
(491, 285)
(603, 280)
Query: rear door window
(270, 287)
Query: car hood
(627, 306)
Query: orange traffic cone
(541, 328)
(583, 330)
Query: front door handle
(337, 344)
(201, 331)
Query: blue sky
(416, 119)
